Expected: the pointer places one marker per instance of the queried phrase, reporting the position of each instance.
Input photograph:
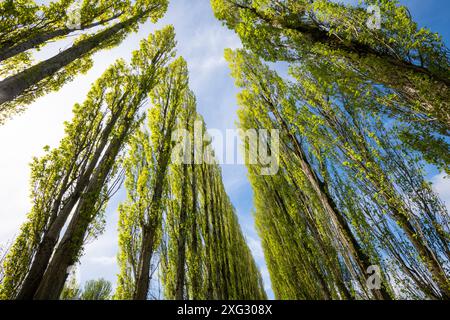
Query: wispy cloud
(441, 185)
(255, 247)
(103, 260)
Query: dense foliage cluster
(361, 114)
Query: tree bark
(143, 278)
(51, 236)
(346, 236)
(10, 51)
(71, 244)
(14, 86)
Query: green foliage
(335, 136)
(196, 244)
(71, 290)
(100, 289)
(402, 67)
(146, 169)
(83, 172)
(23, 81)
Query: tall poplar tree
(384, 211)
(146, 184)
(402, 65)
(76, 179)
(23, 85)
(197, 248)
(28, 25)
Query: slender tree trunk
(143, 278)
(341, 224)
(330, 206)
(71, 244)
(181, 261)
(222, 242)
(38, 268)
(206, 209)
(51, 236)
(215, 254)
(429, 258)
(195, 241)
(400, 214)
(16, 85)
(323, 284)
(12, 50)
(149, 231)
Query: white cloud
(201, 41)
(258, 253)
(255, 247)
(20, 140)
(441, 185)
(102, 260)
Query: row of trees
(401, 66)
(72, 184)
(178, 224)
(361, 114)
(365, 109)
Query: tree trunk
(143, 278)
(71, 244)
(16, 85)
(195, 241)
(207, 235)
(346, 236)
(149, 230)
(10, 51)
(400, 214)
(429, 258)
(51, 236)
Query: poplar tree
(180, 209)
(76, 179)
(30, 81)
(27, 25)
(197, 248)
(372, 182)
(97, 290)
(401, 64)
(146, 184)
(223, 260)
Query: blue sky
(201, 41)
